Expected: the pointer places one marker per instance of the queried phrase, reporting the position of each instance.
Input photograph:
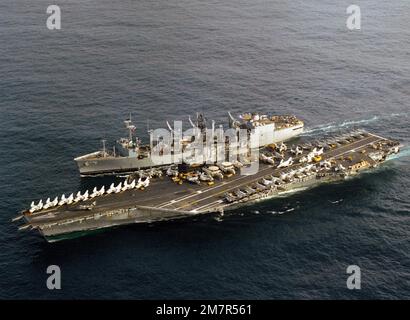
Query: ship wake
(334, 127)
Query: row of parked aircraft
(280, 155)
(261, 185)
(316, 150)
(301, 172)
(343, 139)
(317, 146)
(206, 174)
(140, 184)
(285, 177)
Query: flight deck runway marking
(207, 205)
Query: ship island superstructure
(182, 191)
(129, 154)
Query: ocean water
(62, 91)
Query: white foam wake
(402, 154)
(336, 126)
(333, 126)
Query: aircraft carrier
(181, 192)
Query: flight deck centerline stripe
(253, 180)
(261, 173)
(209, 205)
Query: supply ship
(129, 154)
(187, 190)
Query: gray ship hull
(137, 214)
(115, 165)
(140, 214)
(143, 214)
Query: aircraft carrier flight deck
(164, 199)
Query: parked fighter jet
(275, 180)
(297, 151)
(111, 188)
(239, 194)
(266, 159)
(205, 177)
(193, 178)
(237, 164)
(78, 197)
(282, 147)
(118, 188)
(70, 199)
(319, 152)
(227, 167)
(229, 197)
(139, 184)
(214, 171)
(126, 186)
(94, 193)
(291, 173)
(63, 200)
(47, 204)
(85, 195)
(172, 171)
(266, 182)
(142, 183)
(54, 202)
(326, 164)
(36, 207)
(259, 186)
(146, 182)
(340, 167)
(287, 163)
(303, 159)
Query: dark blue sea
(62, 91)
